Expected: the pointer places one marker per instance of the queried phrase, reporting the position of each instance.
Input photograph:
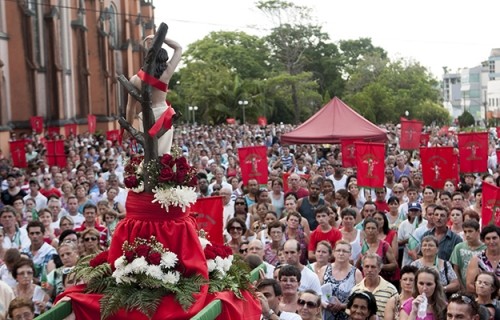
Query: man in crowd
(462, 307)
(34, 192)
(269, 295)
(101, 191)
(251, 196)
(324, 232)
(381, 289)
(13, 191)
(39, 251)
(90, 215)
(294, 181)
(48, 188)
(14, 237)
(338, 177)
(309, 279)
(72, 211)
(228, 211)
(447, 238)
(306, 206)
(257, 248)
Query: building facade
(60, 59)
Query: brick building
(60, 59)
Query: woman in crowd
(429, 197)
(399, 192)
(328, 190)
(294, 230)
(449, 186)
(289, 278)
(275, 231)
(385, 233)
(30, 212)
(447, 276)
(111, 195)
(23, 272)
(350, 234)
(393, 215)
(259, 219)
(393, 306)
(67, 191)
(262, 197)
(457, 220)
(91, 238)
(291, 206)
(241, 211)
(309, 305)
(82, 197)
(323, 255)
(381, 248)
(362, 306)
(487, 286)
(236, 228)
(68, 253)
(232, 167)
(405, 181)
(427, 288)
(65, 223)
(489, 259)
(45, 216)
(21, 309)
(342, 276)
(356, 194)
(110, 218)
(345, 200)
(277, 196)
(263, 235)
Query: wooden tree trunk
(149, 143)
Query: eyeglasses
(216, 189)
(235, 229)
(90, 239)
(483, 283)
(47, 179)
(244, 250)
(240, 203)
(309, 304)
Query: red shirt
(48, 192)
(382, 206)
(317, 235)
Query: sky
(455, 34)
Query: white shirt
(40, 200)
(309, 280)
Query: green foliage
(466, 119)
(236, 279)
(430, 112)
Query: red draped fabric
(370, 163)
(176, 230)
(348, 152)
(438, 165)
(473, 149)
(410, 134)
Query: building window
(114, 39)
(492, 66)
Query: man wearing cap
(34, 192)
(407, 228)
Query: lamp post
(243, 103)
(194, 109)
(407, 113)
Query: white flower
(120, 262)
(204, 242)
(171, 277)
(211, 265)
(228, 262)
(180, 196)
(139, 189)
(140, 168)
(154, 272)
(139, 265)
(168, 259)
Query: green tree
(466, 119)
(431, 112)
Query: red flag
(490, 213)
(424, 139)
(370, 163)
(230, 121)
(253, 163)
(18, 154)
(70, 129)
(473, 150)
(37, 124)
(55, 153)
(91, 120)
(53, 131)
(262, 121)
(114, 135)
(437, 165)
(410, 134)
(209, 217)
(348, 152)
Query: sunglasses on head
(309, 304)
(90, 239)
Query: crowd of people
(332, 249)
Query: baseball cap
(414, 206)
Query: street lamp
(194, 109)
(407, 113)
(243, 103)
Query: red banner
(473, 151)
(37, 124)
(230, 121)
(498, 132)
(348, 153)
(490, 213)
(55, 153)
(370, 162)
(92, 122)
(424, 139)
(53, 131)
(262, 121)
(410, 134)
(438, 165)
(209, 215)
(70, 129)
(253, 163)
(18, 153)
(114, 135)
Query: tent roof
(332, 123)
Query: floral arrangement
(174, 178)
(143, 275)
(225, 271)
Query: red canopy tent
(332, 123)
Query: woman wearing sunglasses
(90, 238)
(309, 305)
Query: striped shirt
(382, 293)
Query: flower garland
(143, 275)
(174, 178)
